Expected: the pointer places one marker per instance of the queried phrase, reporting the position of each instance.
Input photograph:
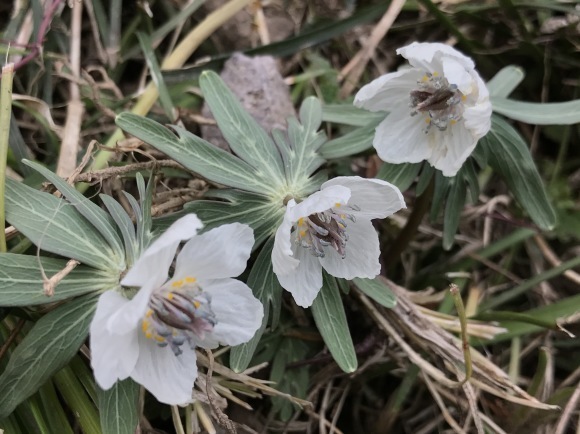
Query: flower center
(323, 229)
(175, 316)
(439, 100)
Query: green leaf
(48, 346)
(352, 143)
(329, 316)
(554, 113)
(153, 65)
(442, 185)
(509, 155)
(93, 213)
(377, 290)
(57, 227)
(267, 289)
(400, 175)
(196, 154)
(348, 114)
(298, 147)
(244, 135)
(453, 208)
(125, 225)
(505, 81)
(21, 280)
(261, 215)
(119, 407)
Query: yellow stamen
(170, 296)
(427, 120)
(145, 326)
(463, 97)
(148, 335)
(337, 205)
(177, 283)
(149, 313)
(435, 74)
(159, 338)
(302, 234)
(190, 279)
(300, 221)
(452, 121)
(196, 304)
(425, 78)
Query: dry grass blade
(407, 321)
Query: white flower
(332, 229)
(152, 337)
(439, 108)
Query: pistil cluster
(178, 315)
(324, 229)
(441, 101)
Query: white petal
(456, 144)
(375, 198)
(319, 202)
(477, 119)
(113, 356)
(282, 260)
(238, 313)
(154, 262)
(423, 53)
(220, 252)
(168, 377)
(456, 74)
(400, 138)
(389, 91)
(128, 316)
(305, 281)
(362, 253)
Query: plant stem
(406, 235)
(5, 114)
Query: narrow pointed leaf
(509, 155)
(93, 213)
(267, 289)
(196, 154)
(244, 135)
(401, 175)
(505, 81)
(377, 290)
(48, 346)
(555, 113)
(119, 407)
(21, 280)
(352, 143)
(56, 226)
(329, 316)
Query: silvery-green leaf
(553, 113)
(470, 176)
(197, 155)
(93, 213)
(267, 289)
(46, 348)
(425, 177)
(442, 185)
(377, 290)
(505, 81)
(246, 138)
(125, 225)
(328, 312)
(119, 407)
(56, 226)
(305, 140)
(509, 155)
(352, 143)
(401, 175)
(164, 97)
(21, 280)
(347, 114)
